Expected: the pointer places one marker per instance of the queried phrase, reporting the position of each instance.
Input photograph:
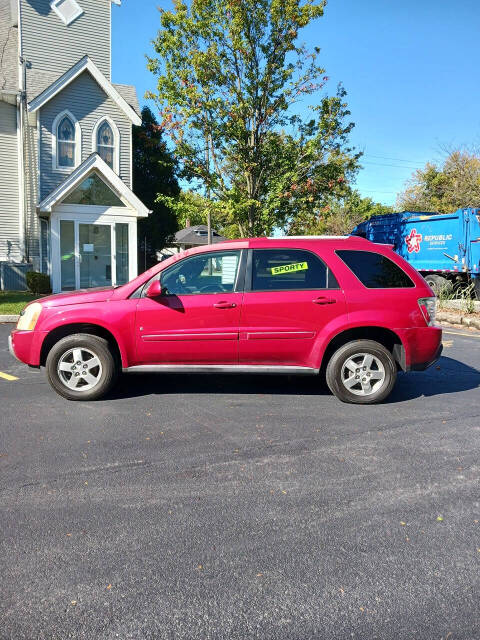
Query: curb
(455, 318)
(9, 318)
(456, 306)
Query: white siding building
(66, 202)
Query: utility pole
(207, 189)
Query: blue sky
(411, 70)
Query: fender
(121, 328)
(336, 329)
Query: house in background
(195, 236)
(189, 238)
(66, 202)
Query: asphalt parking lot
(226, 507)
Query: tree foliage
(338, 216)
(154, 173)
(229, 73)
(191, 208)
(444, 187)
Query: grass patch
(465, 294)
(12, 302)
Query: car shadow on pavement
(447, 376)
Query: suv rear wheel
(361, 372)
(81, 367)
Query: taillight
(429, 309)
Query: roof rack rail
(307, 237)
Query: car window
(374, 270)
(289, 270)
(214, 272)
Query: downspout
(23, 125)
(22, 109)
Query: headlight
(29, 316)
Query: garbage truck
(444, 248)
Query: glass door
(67, 255)
(95, 255)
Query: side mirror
(154, 290)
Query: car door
(290, 296)
(196, 319)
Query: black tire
(439, 284)
(105, 374)
(337, 365)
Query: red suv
(345, 306)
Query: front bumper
(26, 346)
(11, 349)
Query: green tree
(190, 207)
(444, 187)
(154, 173)
(338, 216)
(229, 73)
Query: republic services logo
(413, 241)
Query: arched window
(106, 143)
(105, 140)
(66, 142)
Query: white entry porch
(89, 229)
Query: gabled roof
(93, 163)
(129, 94)
(85, 64)
(197, 235)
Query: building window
(105, 142)
(66, 142)
(44, 246)
(67, 10)
(93, 191)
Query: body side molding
(220, 368)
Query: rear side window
(374, 270)
(289, 270)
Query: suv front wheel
(81, 367)
(361, 372)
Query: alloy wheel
(79, 369)
(363, 374)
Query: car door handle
(323, 300)
(224, 305)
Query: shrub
(38, 282)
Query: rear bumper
(421, 366)
(423, 347)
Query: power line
(370, 155)
(384, 164)
(375, 191)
